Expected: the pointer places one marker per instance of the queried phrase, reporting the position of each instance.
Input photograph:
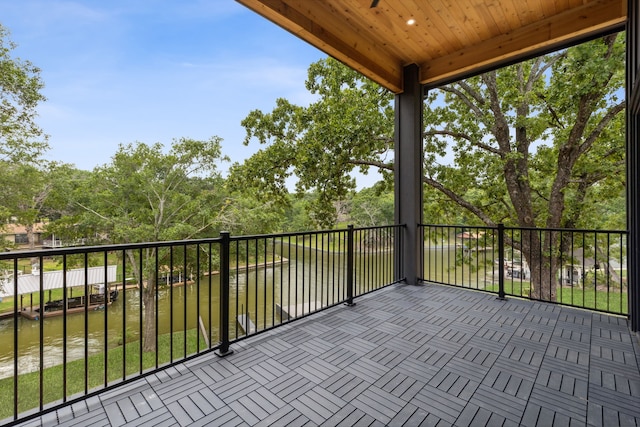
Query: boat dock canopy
(30, 283)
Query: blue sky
(121, 71)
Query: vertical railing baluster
(571, 277)
(265, 293)
(171, 304)
(303, 277)
(289, 275)
(210, 270)
(237, 275)
(198, 298)
(281, 274)
(421, 230)
(584, 271)
(322, 236)
(15, 339)
(184, 300)
(141, 335)
(607, 263)
(64, 328)
(501, 293)
(350, 258)
(156, 291)
(623, 264)
(560, 263)
(595, 270)
(41, 324)
(86, 322)
(224, 349)
(256, 287)
(273, 281)
(312, 253)
(124, 307)
(341, 267)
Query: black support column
(633, 162)
(408, 173)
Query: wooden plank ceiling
(448, 39)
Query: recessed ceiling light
(411, 21)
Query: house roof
(13, 228)
(447, 39)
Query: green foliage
(21, 139)
(349, 127)
(533, 144)
(145, 194)
(297, 213)
(149, 194)
(370, 207)
(32, 193)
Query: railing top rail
(378, 227)
(311, 233)
(564, 230)
(287, 234)
(102, 248)
(73, 250)
(475, 227)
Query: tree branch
(459, 200)
(93, 212)
(464, 136)
(463, 98)
(595, 133)
(375, 163)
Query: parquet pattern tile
(402, 356)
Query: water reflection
(317, 276)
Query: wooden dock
(298, 310)
(247, 325)
(33, 313)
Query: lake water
(311, 279)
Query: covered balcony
(319, 328)
(404, 355)
(355, 326)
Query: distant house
(577, 265)
(16, 234)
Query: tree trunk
(149, 343)
(543, 265)
(148, 289)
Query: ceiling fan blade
(374, 3)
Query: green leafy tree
(530, 145)
(246, 213)
(145, 194)
(30, 193)
(370, 207)
(21, 139)
(349, 127)
(533, 144)
(296, 215)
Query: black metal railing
(76, 321)
(580, 268)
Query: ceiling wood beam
(596, 16)
(344, 44)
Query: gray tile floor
(405, 355)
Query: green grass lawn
(614, 302)
(53, 378)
